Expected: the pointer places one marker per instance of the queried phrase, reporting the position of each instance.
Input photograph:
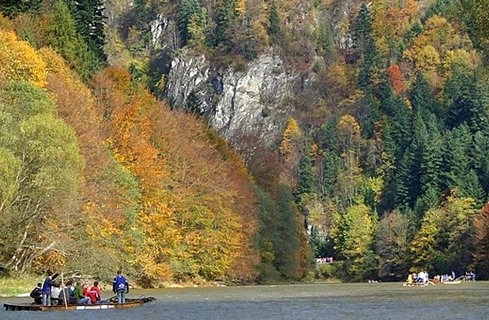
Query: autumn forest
(383, 164)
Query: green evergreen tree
(364, 46)
(328, 137)
(331, 168)
(287, 243)
(371, 115)
(305, 181)
(407, 180)
(15, 7)
(90, 22)
(422, 98)
(368, 66)
(432, 161)
(415, 29)
(197, 29)
(63, 36)
(467, 100)
(278, 236)
(460, 175)
(362, 30)
(186, 9)
(399, 129)
(430, 199)
(471, 187)
(480, 159)
(456, 156)
(193, 104)
(266, 234)
(224, 20)
(474, 16)
(274, 22)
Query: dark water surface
(315, 301)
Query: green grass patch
(13, 286)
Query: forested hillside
(383, 163)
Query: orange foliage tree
(192, 209)
(109, 196)
(395, 78)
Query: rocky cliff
(253, 101)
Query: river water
(377, 301)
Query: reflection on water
(319, 301)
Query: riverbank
(22, 285)
(11, 287)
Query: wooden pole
(63, 290)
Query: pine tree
(186, 10)
(362, 30)
(373, 114)
(15, 7)
(480, 160)
(331, 168)
(90, 21)
(63, 36)
(224, 20)
(364, 46)
(197, 28)
(278, 236)
(456, 156)
(274, 22)
(431, 165)
(467, 100)
(422, 98)
(399, 129)
(305, 183)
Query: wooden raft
(130, 303)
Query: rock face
(251, 101)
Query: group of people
(51, 292)
(418, 278)
(423, 278)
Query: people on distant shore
(422, 277)
(469, 276)
(36, 294)
(410, 279)
(324, 260)
(120, 287)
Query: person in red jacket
(94, 293)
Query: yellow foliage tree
(289, 151)
(19, 61)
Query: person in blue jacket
(120, 287)
(46, 288)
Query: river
(377, 301)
